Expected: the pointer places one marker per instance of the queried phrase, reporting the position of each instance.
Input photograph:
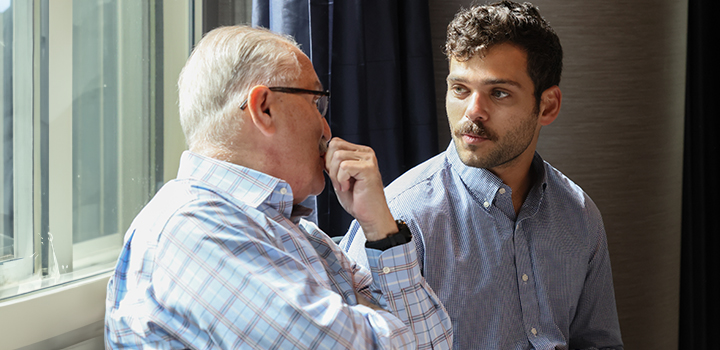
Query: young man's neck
(519, 178)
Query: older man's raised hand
(353, 170)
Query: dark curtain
(700, 267)
(375, 56)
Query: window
(7, 237)
(89, 129)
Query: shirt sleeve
(353, 243)
(396, 284)
(396, 276)
(595, 325)
(230, 286)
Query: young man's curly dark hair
(475, 30)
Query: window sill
(53, 312)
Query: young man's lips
(473, 138)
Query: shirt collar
(244, 184)
(537, 191)
(484, 185)
(540, 175)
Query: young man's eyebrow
(455, 79)
(501, 82)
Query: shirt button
(525, 278)
(502, 191)
(386, 269)
(533, 331)
(283, 190)
(486, 204)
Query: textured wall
(619, 135)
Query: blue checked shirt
(220, 260)
(541, 280)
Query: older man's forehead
(317, 85)
(308, 71)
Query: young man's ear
(258, 105)
(550, 102)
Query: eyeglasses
(321, 103)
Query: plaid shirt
(537, 280)
(220, 259)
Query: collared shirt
(220, 259)
(541, 280)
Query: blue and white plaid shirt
(219, 259)
(541, 280)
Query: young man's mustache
(476, 129)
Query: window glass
(116, 127)
(16, 250)
(87, 100)
(6, 177)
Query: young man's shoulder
(566, 195)
(561, 182)
(415, 179)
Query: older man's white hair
(218, 76)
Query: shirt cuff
(395, 268)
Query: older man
(221, 257)
(515, 250)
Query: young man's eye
(499, 94)
(458, 90)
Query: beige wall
(619, 135)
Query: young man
(221, 257)
(514, 249)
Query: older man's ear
(259, 103)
